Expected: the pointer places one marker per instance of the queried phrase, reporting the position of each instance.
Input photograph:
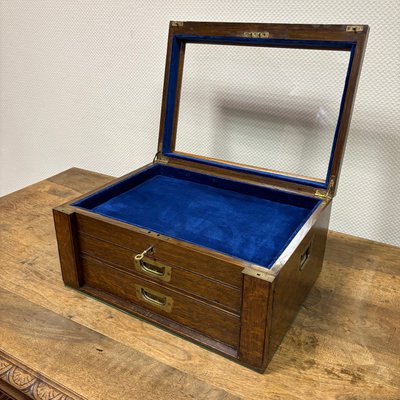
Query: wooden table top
(56, 343)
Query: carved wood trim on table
(4, 396)
(31, 383)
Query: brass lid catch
(159, 158)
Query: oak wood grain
(256, 294)
(191, 257)
(94, 365)
(294, 282)
(343, 344)
(189, 282)
(65, 226)
(186, 310)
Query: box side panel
(295, 281)
(67, 241)
(256, 294)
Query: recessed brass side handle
(152, 267)
(304, 257)
(154, 298)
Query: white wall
(81, 84)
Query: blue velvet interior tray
(242, 220)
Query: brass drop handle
(305, 256)
(154, 298)
(151, 267)
(151, 298)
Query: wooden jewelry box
(220, 252)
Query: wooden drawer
(214, 322)
(170, 276)
(167, 249)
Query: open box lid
(299, 123)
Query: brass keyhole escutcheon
(140, 256)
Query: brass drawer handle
(305, 256)
(152, 267)
(154, 298)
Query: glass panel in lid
(264, 107)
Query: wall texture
(81, 84)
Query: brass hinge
(160, 158)
(326, 195)
(354, 28)
(256, 34)
(176, 23)
(321, 194)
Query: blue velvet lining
(242, 220)
(180, 40)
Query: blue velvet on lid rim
(245, 221)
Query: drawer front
(166, 249)
(212, 321)
(162, 273)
